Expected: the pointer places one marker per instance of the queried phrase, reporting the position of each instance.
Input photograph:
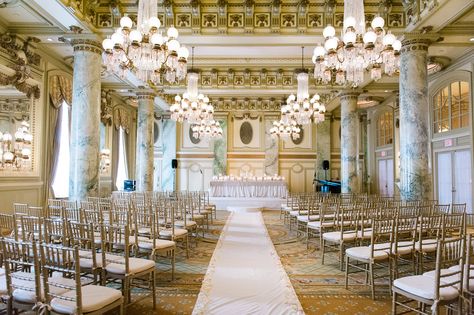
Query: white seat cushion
(366, 235)
(3, 285)
(427, 245)
(304, 218)
(177, 232)
(424, 286)
(198, 216)
(2, 271)
(317, 224)
(335, 237)
(136, 265)
(403, 247)
(295, 213)
(189, 223)
(363, 253)
(159, 244)
(144, 230)
(27, 296)
(93, 298)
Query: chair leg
(341, 255)
(394, 303)
(372, 280)
(346, 278)
(187, 246)
(322, 251)
(153, 288)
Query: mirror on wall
(16, 133)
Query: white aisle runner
(245, 275)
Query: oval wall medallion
(193, 139)
(300, 139)
(156, 133)
(246, 132)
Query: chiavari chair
(80, 296)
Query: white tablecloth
(245, 275)
(254, 188)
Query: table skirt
(270, 189)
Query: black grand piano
(332, 186)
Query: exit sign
(448, 143)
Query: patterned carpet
(320, 288)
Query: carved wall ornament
(106, 114)
(288, 20)
(19, 49)
(209, 20)
(192, 138)
(236, 20)
(299, 140)
(262, 19)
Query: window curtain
(60, 91)
(121, 120)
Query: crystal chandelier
(285, 130)
(193, 107)
(301, 108)
(144, 50)
(345, 59)
(15, 151)
(207, 130)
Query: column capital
(418, 41)
(349, 95)
(84, 44)
(144, 94)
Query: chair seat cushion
(27, 296)
(144, 231)
(366, 235)
(296, 213)
(136, 265)
(404, 247)
(93, 298)
(198, 216)
(305, 218)
(189, 223)
(336, 236)
(317, 224)
(159, 244)
(427, 245)
(423, 286)
(364, 252)
(177, 232)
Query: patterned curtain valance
(122, 119)
(60, 90)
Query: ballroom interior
(236, 156)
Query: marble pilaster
(349, 139)
(219, 165)
(323, 148)
(271, 150)
(85, 120)
(169, 153)
(415, 180)
(144, 153)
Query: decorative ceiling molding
(249, 16)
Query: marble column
(271, 149)
(349, 139)
(169, 153)
(415, 180)
(219, 165)
(85, 120)
(323, 148)
(144, 152)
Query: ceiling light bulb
(107, 44)
(157, 39)
(183, 52)
(319, 51)
(329, 31)
(117, 39)
(388, 39)
(136, 36)
(154, 22)
(377, 22)
(397, 45)
(173, 45)
(370, 37)
(126, 22)
(350, 22)
(172, 32)
(349, 37)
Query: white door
(382, 177)
(445, 178)
(390, 178)
(462, 179)
(385, 177)
(454, 178)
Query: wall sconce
(104, 160)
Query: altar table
(248, 188)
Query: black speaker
(325, 165)
(174, 163)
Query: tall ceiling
(245, 50)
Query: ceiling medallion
(145, 50)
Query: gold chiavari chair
(440, 287)
(80, 297)
(31, 228)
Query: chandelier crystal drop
(207, 130)
(346, 58)
(15, 150)
(145, 50)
